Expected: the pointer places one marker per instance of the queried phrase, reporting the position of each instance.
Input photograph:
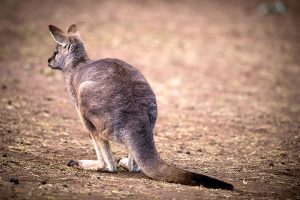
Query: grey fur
(116, 103)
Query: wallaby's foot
(111, 168)
(94, 165)
(124, 162)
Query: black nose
(49, 60)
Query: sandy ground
(226, 80)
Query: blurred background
(225, 74)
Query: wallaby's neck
(70, 70)
(74, 60)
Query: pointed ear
(58, 35)
(73, 31)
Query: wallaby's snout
(51, 61)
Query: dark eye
(55, 52)
(68, 46)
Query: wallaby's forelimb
(106, 154)
(94, 165)
(98, 152)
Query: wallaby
(116, 103)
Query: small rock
(212, 142)
(183, 151)
(4, 155)
(4, 87)
(14, 180)
(277, 7)
(89, 184)
(9, 107)
(283, 154)
(48, 98)
(44, 181)
(65, 185)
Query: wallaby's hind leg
(105, 159)
(104, 155)
(107, 154)
(129, 163)
(90, 164)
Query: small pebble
(4, 155)
(65, 185)
(48, 98)
(44, 181)
(89, 184)
(14, 180)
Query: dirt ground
(226, 79)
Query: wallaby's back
(116, 94)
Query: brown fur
(116, 103)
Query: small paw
(73, 163)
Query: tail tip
(210, 182)
(229, 187)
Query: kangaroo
(115, 103)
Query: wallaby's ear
(58, 35)
(73, 31)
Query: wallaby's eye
(68, 46)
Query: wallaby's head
(69, 49)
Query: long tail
(142, 147)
